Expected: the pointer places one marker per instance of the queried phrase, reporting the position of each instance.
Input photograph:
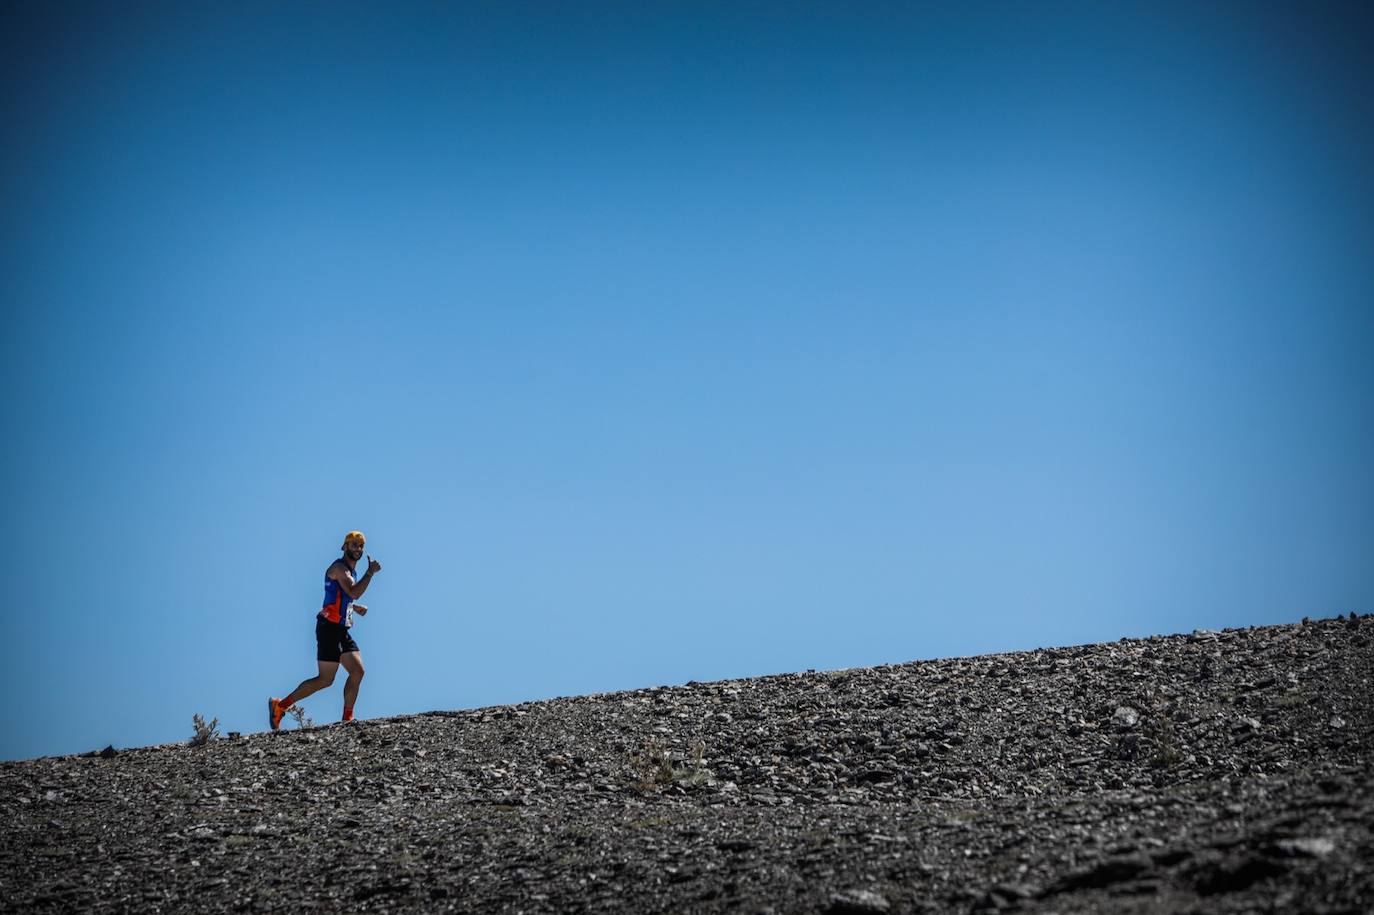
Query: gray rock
(858, 902)
(1314, 847)
(1125, 717)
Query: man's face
(354, 549)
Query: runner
(334, 644)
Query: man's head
(353, 544)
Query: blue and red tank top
(336, 602)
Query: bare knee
(353, 663)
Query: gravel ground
(1212, 772)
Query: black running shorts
(332, 640)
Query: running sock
(348, 713)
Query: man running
(335, 645)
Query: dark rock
(736, 845)
(875, 776)
(1102, 874)
(1171, 857)
(1235, 874)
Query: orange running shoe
(274, 713)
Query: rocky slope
(1213, 772)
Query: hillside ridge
(1213, 771)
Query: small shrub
(656, 768)
(1168, 751)
(302, 720)
(695, 773)
(204, 732)
(653, 766)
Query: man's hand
(373, 566)
(360, 609)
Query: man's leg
(353, 663)
(277, 708)
(323, 680)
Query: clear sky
(653, 342)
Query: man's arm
(340, 572)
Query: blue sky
(655, 342)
